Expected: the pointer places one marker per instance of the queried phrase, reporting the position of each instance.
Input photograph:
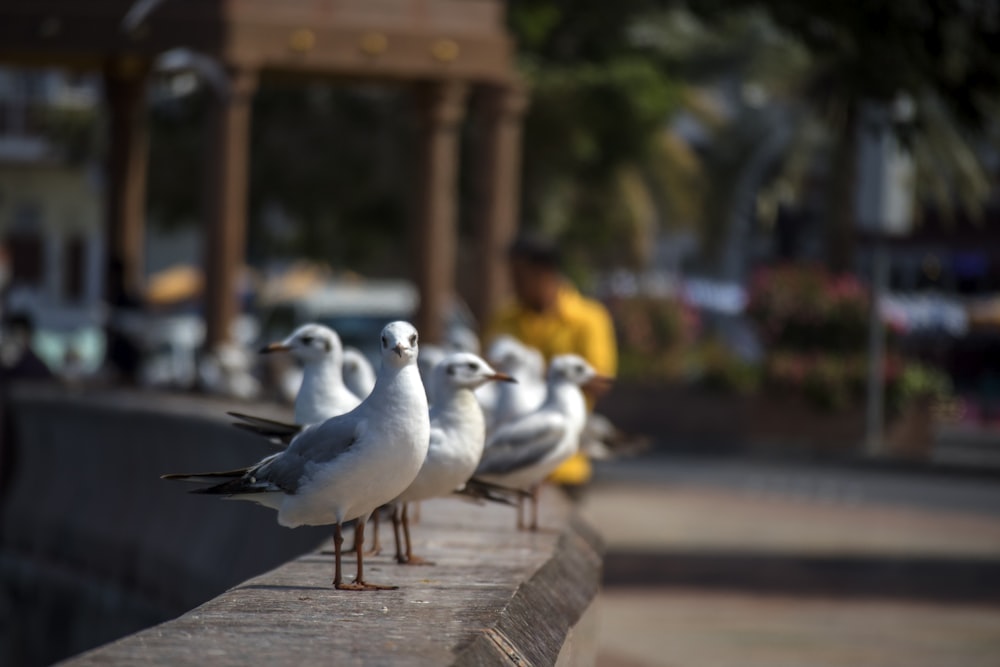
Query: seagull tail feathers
(205, 477)
(283, 432)
(480, 491)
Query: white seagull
(522, 453)
(322, 393)
(359, 374)
(510, 402)
(349, 465)
(458, 434)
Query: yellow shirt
(576, 325)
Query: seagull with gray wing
(349, 465)
(458, 434)
(359, 375)
(522, 453)
(322, 393)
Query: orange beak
(274, 347)
(599, 383)
(502, 377)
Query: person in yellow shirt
(549, 314)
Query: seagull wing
(522, 443)
(285, 471)
(283, 432)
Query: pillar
(128, 155)
(228, 153)
(441, 108)
(498, 187)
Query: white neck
(322, 384)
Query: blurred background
(790, 209)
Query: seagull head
(466, 370)
(310, 344)
(399, 344)
(574, 369)
(512, 356)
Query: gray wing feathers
(285, 470)
(522, 443)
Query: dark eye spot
(579, 369)
(413, 339)
(472, 365)
(307, 340)
(385, 343)
(451, 370)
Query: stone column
(228, 160)
(441, 108)
(498, 172)
(128, 155)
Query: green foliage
(598, 100)
(654, 336)
(919, 383)
(723, 370)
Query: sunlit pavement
(731, 563)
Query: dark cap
(536, 249)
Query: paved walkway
(685, 626)
(692, 628)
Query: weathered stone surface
(87, 499)
(495, 596)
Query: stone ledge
(496, 596)
(97, 546)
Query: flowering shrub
(808, 308)
(815, 327)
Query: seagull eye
(413, 339)
(580, 369)
(307, 340)
(472, 365)
(385, 343)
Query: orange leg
(410, 558)
(338, 542)
(359, 583)
(534, 506)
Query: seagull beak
(599, 383)
(274, 347)
(399, 349)
(502, 377)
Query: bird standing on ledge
(347, 466)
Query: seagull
(430, 356)
(512, 401)
(349, 465)
(359, 375)
(322, 393)
(458, 434)
(522, 453)
(601, 440)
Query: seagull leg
(534, 507)
(354, 543)
(376, 542)
(396, 521)
(359, 583)
(410, 558)
(338, 541)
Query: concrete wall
(93, 545)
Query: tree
(598, 100)
(943, 55)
